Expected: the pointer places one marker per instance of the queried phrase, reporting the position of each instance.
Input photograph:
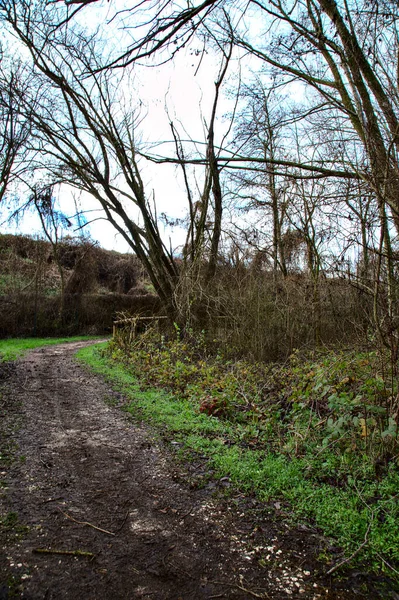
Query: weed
(10, 520)
(310, 432)
(11, 525)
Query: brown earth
(95, 507)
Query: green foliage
(10, 520)
(10, 281)
(344, 401)
(11, 525)
(15, 348)
(317, 431)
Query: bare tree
(342, 58)
(347, 54)
(53, 222)
(260, 131)
(85, 133)
(15, 125)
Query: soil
(95, 506)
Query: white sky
(176, 91)
(183, 91)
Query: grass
(11, 523)
(11, 349)
(258, 450)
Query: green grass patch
(11, 349)
(281, 439)
(11, 525)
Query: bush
(340, 404)
(23, 314)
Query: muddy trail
(94, 507)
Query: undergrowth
(319, 431)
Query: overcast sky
(181, 91)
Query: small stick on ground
(86, 523)
(352, 556)
(143, 480)
(123, 522)
(250, 592)
(188, 513)
(263, 596)
(63, 552)
(52, 500)
(387, 564)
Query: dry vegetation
(98, 284)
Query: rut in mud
(103, 513)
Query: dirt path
(89, 480)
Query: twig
(123, 523)
(46, 465)
(352, 556)
(52, 500)
(254, 594)
(86, 523)
(387, 563)
(30, 390)
(143, 480)
(63, 552)
(188, 513)
(243, 589)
